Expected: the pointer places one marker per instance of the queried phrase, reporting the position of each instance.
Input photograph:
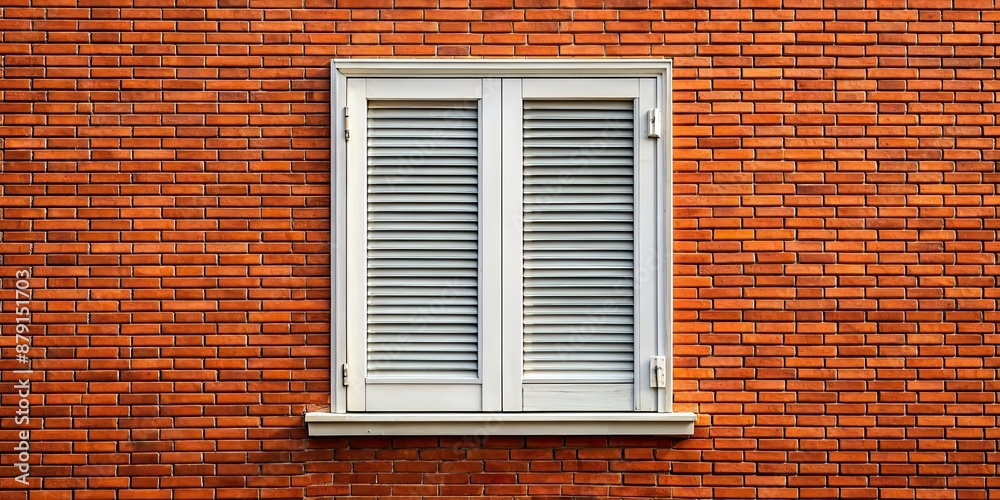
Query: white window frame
(408, 395)
(662, 420)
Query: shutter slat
(443, 284)
(428, 161)
(375, 246)
(423, 240)
(422, 225)
(578, 254)
(386, 257)
(423, 188)
(413, 291)
(597, 226)
(401, 181)
(537, 290)
(422, 235)
(389, 134)
(563, 330)
(578, 241)
(424, 207)
(429, 218)
(569, 171)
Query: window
(501, 247)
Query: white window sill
(499, 424)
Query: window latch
(344, 371)
(653, 122)
(658, 371)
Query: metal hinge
(653, 122)
(347, 133)
(658, 371)
(345, 374)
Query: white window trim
(500, 424)
(337, 421)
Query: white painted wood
(506, 68)
(421, 72)
(512, 245)
(501, 424)
(647, 257)
(424, 228)
(423, 397)
(593, 88)
(425, 88)
(577, 397)
(338, 234)
(491, 241)
(354, 246)
(579, 239)
(664, 238)
(420, 302)
(580, 325)
(416, 379)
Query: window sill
(499, 424)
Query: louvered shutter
(423, 239)
(423, 289)
(578, 234)
(506, 259)
(579, 157)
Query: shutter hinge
(344, 371)
(658, 371)
(347, 128)
(653, 122)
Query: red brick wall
(165, 175)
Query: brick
(165, 171)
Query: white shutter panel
(423, 239)
(576, 192)
(578, 244)
(422, 307)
